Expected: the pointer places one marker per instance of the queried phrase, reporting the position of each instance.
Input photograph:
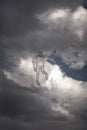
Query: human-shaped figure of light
(39, 65)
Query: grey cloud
(17, 101)
(67, 103)
(61, 125)
(44, 40)
(29, 108)
(20, 34)
(17, 17)
(22, 111)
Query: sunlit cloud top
(65, 90)
(75, 20)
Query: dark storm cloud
(35, 40)
(8, 124)
(21, 31)
(23, 103)
(23, 108)
(17, 17)
(20, 27)
(20, 103)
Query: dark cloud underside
(17, 17)
(21, 32)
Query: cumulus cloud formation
(27, 27)
(65, 91)
(58, 26)
(75, 20)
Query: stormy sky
(30, 26)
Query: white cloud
(67, 91)
(64, 111)
(53, 15)
(53, 18)
(75, 21)
(80, 14)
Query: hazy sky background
(26, 27)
